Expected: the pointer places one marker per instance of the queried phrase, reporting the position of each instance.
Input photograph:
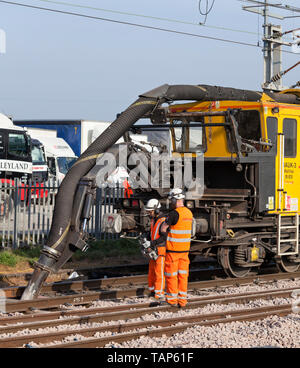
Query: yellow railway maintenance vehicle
(250, 205)
(248, 213)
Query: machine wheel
(284, 265)
(225, 257)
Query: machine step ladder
(294, 240)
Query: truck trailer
(79, 134)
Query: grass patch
(109, 248)
(28, 252)
(23, 255)
(7, 258)
(97, 251)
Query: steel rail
(110, 314)
(71, 286)
(189, 322)
(13, 305)
(40, 315)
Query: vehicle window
(38, 156)
(249, 124)
(160, 137)
(51, 165)
(189, 139)
(290, 137)
(196, 139)
(17, 145)
(272, 128)
(65, 163)
(2, 148)
(179, 139)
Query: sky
(59, 66)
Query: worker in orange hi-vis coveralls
(178, 244)
(156, 279)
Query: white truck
(40, 170)
(59, 155)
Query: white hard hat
(152, 204)
(176, 193)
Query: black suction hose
(65, 196)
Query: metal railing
(26, 211)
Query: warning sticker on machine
(294, 204)
(270, 203)
(289, 172)
(291, 204)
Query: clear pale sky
(60, 66)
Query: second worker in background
(178, 244)
(156, 279)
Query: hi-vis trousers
(176, 273)
(156, 279)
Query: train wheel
(225, 257)
(285, 265)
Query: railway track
(105, 283)
(99, 272)
(85, 323)
(89, 291)
(80, 292)
(189, 322)
(62, 315)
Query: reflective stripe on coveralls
(156, 280)
(177, 260)
(179, 236)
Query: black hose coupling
(48, 258)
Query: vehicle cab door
(19, 155)
(3, 153)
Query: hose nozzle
(35, 284)
(43, 267)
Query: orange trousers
(156, 279)
(177, 273)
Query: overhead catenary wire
(146, 16)
(128, 23)
(207, 11)
(134, 24)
